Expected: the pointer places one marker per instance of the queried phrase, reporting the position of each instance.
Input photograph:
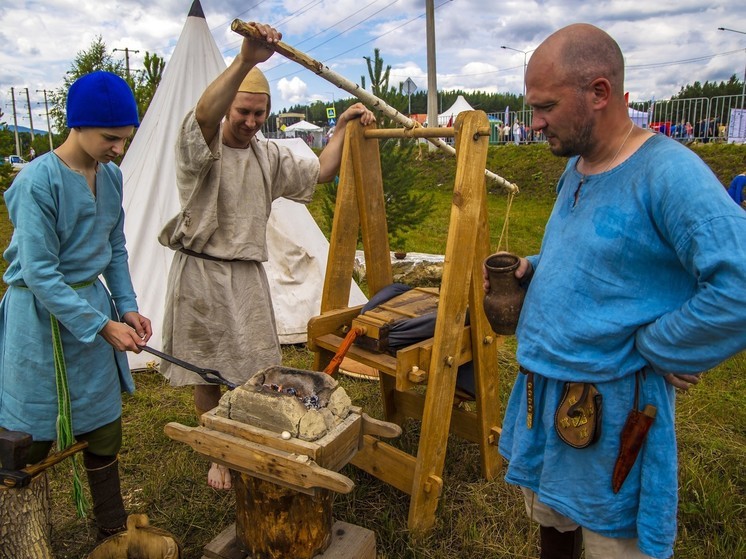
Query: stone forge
(307, 404)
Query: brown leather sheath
(632, 436)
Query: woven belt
(529, 396)
(207, 256)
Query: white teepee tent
(297, 247)
(448, 117)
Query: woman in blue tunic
(66, 209)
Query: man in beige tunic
(218, 307)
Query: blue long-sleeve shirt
(63, 236)
(645, 271)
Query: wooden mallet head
(14, 449)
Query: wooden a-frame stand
(360, 204)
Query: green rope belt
(65, 436)
(64, 417)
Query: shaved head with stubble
(575, 85)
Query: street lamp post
(523, 104)
(743, 89)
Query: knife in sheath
(633, 434)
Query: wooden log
(273, 521)
(25, 521)
(249, 30)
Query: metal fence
(715, 119)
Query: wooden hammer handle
(55, 458)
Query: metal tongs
(210, 375)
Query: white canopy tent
(306, 130)
(301, 126)
(297, 248)
(448, 117)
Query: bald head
(580, 53)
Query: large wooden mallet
(14, 449)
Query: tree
(711, 89)
(148, 81)
(97, 57)
(405, 209)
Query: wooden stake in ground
(248, 30)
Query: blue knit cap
(102, 100)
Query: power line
(286, 61)
(368, 41)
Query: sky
(667, 44)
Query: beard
(578, 138)
(575, 143)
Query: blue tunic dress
(645, 271)
(63, 236)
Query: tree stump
(25, 520)
(273, 521)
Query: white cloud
(293, 91)
(39, 40)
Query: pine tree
(405, 209)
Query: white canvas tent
(297, 247)
(448, 117)
(301, 126)
(306, 130)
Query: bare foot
(219, 477)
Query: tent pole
(248, 30)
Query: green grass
(476, 518)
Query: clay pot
(503, 302)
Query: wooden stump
(273, 521)
(25, 521)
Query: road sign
(331, 112)
(332, 121)
(409, 86)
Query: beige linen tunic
(219, 315)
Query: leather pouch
(578, 416)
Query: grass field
(476, 518)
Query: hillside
(535, 170)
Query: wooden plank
(463, 422)
(331, 322)
(366, 161)
(332, 451)
(469, 191)
(225, 546)
(387, 463)
(381, 361)
(484, 345)
(420, 355)
(348, 541)
(343, 242)
(297, 471)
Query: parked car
(17, 161)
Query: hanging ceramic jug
(503, 302)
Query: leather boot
(108, 507)
(560, 545)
